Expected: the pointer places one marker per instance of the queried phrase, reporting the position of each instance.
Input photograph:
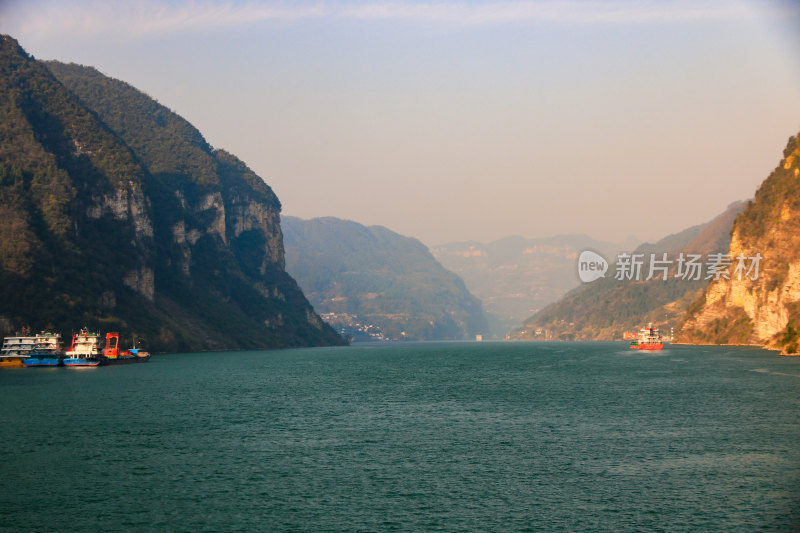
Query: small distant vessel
(113, 356)
(85, 350)
(17, 349)
(649, 339)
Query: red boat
(112, 355)
(649, 339)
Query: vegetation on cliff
(764, 308)
(116, 214)
(55, 158)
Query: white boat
(19, 347)
(85, 350)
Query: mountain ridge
(374, 283)
(175, 242)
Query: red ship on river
(649, 339)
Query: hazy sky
(456, 120)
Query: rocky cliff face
(760, 307)
(119, 215)
(127, 204)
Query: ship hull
(41, 361)
(124, 360)
(12, 362)
(648, 346)
(78, 362)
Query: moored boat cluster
(44, 350)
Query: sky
(463, 120)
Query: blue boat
(47, 351)
(41, 359)
(42, 356)
(81, 361)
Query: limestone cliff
(758, 307)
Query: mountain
(514, 277)
(759, 304)
(604, 309)
(373, 283)
(117, 215)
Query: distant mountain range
(606, 308)
(116, 214)
(372, 283)
(761, 303)
(514, 277)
